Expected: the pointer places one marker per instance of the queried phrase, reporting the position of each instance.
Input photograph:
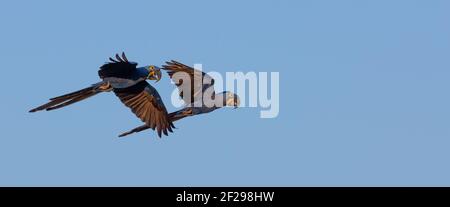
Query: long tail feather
(49, 104)
(73, 100)
(135, 130)
(174, 116)
(70, 98)
(73, 94)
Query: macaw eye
(152, 67)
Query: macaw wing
(145, 102)
(200, 81)
(119, 67)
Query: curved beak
(155, 74)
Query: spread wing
(119, 67)
(145, 102)
(197, 85)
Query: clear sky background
(364, 94)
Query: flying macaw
(197, 103)
(128, 82)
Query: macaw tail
(135, 130)
(70, 98)
(174, 116)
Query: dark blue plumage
(129, 84)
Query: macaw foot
(105, 87)
(187, 112)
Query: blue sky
(364, 93)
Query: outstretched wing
(119, 67)
(200, 81)
(145, 102)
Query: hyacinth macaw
(196, 103)
(128, 82)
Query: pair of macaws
(128, 82)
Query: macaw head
(154, 73)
